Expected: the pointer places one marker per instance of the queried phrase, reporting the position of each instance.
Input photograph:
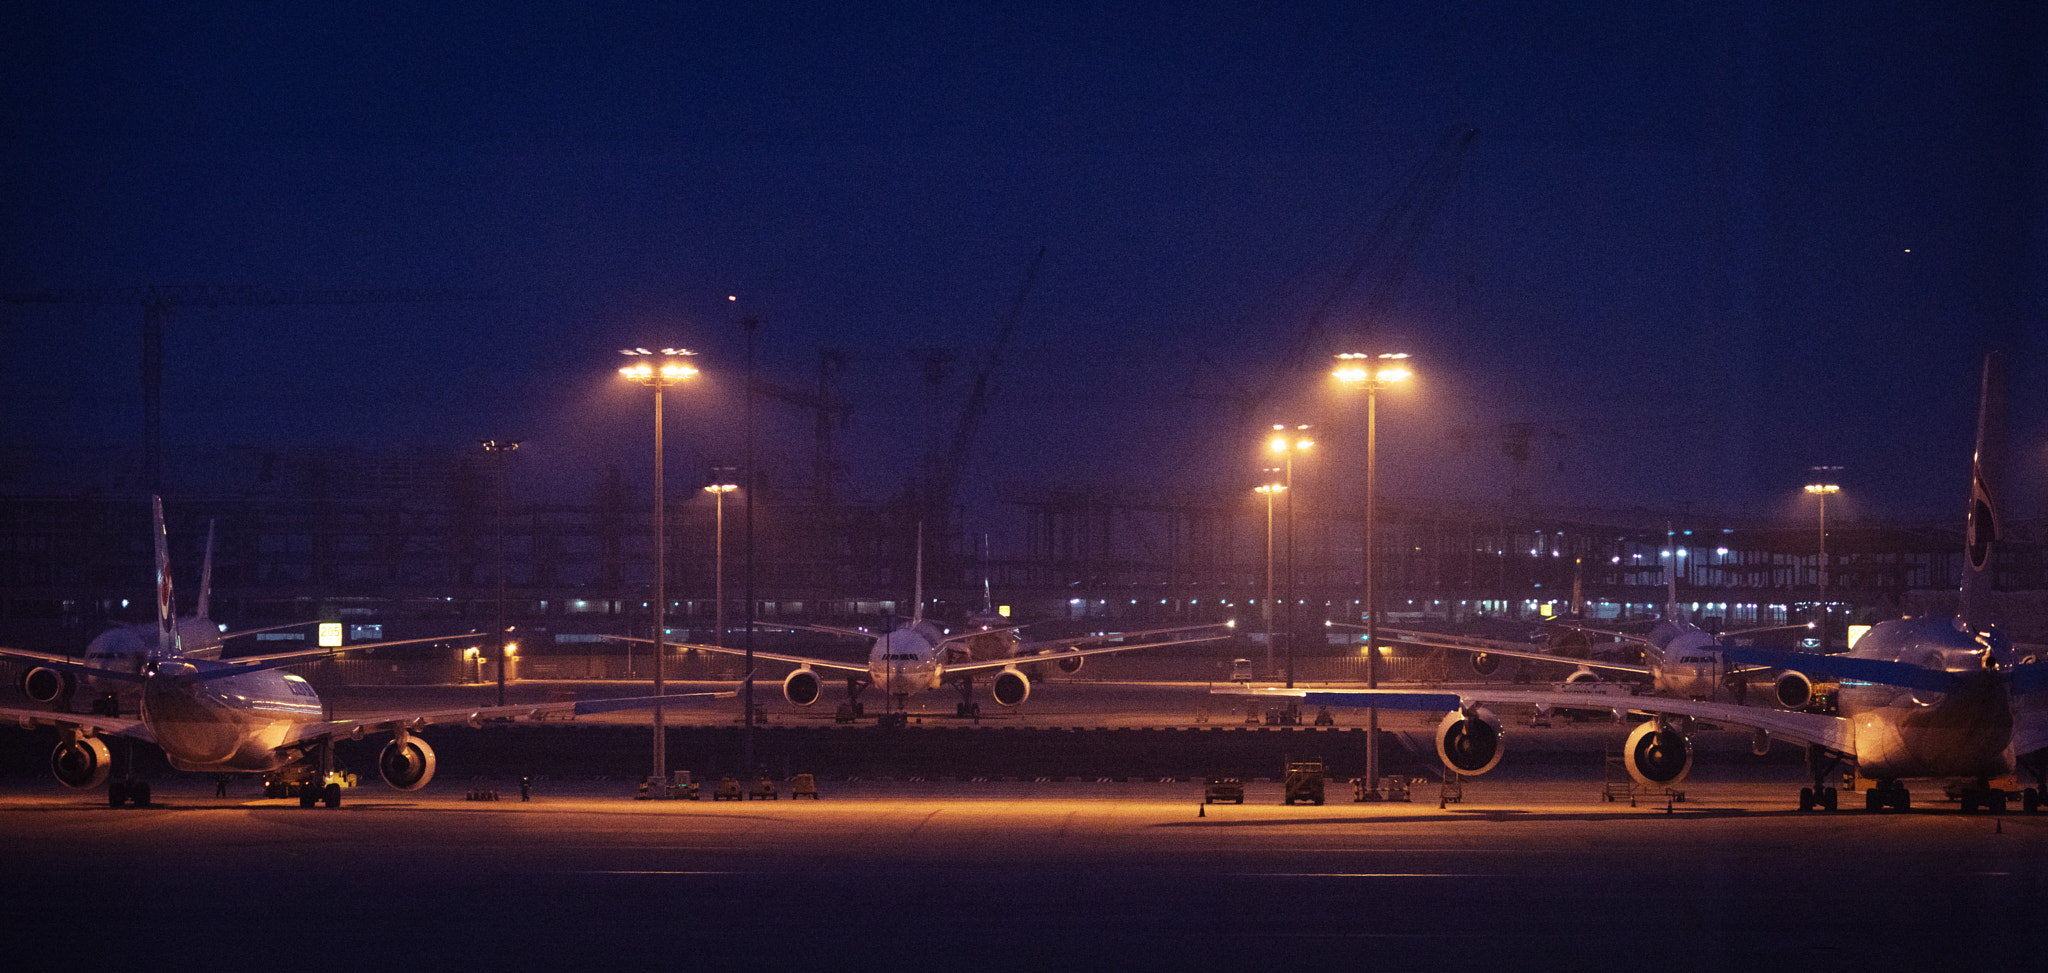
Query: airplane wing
(834, 665)
(96, 725)
(1054, 655)
(1065, 645)
(476, 716)
(70, 663)
(243, 664)
(1831, 732)
(852, 633)
(1510, 650)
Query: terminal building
(403, 545)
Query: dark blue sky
(1692, 251)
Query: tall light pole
(718, 492)
(659, 370)
(499, 450)
(1372, 373)
(1822, 488)
(749, 323)
(1269, 489)
(1285, 443)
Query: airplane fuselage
(906, 661)
(231, 724)
(127, 648)
(1908, 733)
(1684, 661)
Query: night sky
(1689, 252)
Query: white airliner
(1934, 697)
(913, 655)
(117, 658)
(242, 715)
(1680, 659)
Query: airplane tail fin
(1986, 467)
(1671, 575)
(917, 593)
(206, 576)
(166, 608)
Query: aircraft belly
(1959, 737)
(201, 731)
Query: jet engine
(1010, 688)
(1485, 664)
(1469, 743)
(83, 762)
(1071, 663)
(1658, 756)
(407, 763)
(1794, 690)
(46, 685)
(801, 687)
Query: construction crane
(826, 404)
(157, 302)
(944, 480)
(1391, 247)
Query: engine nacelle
(406, 763)
(1658, 756)
(1581, 676)
(83, 762)
(1010, 687)
(802, 687)
(1470, 744)
(1794, 690)
(1071, 663)
(1485, 664)
(46, 685)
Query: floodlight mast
(1372, 373)
(1822, 488)
(673, 369)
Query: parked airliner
(1933, 697)
(243, 715)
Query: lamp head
(668, 366)
(1370, 370)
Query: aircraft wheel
(331, 795)
(1969, 800)
(1996, 802)
(1827, 798)
(1806, 801)
(1873, 800)
(307, 795)
(2030, 800)
(139, 794)
(117, 793)
(1902, 799)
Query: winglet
(166, 608)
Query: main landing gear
(1887, 794)
(1824, 765)
(967, 707)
